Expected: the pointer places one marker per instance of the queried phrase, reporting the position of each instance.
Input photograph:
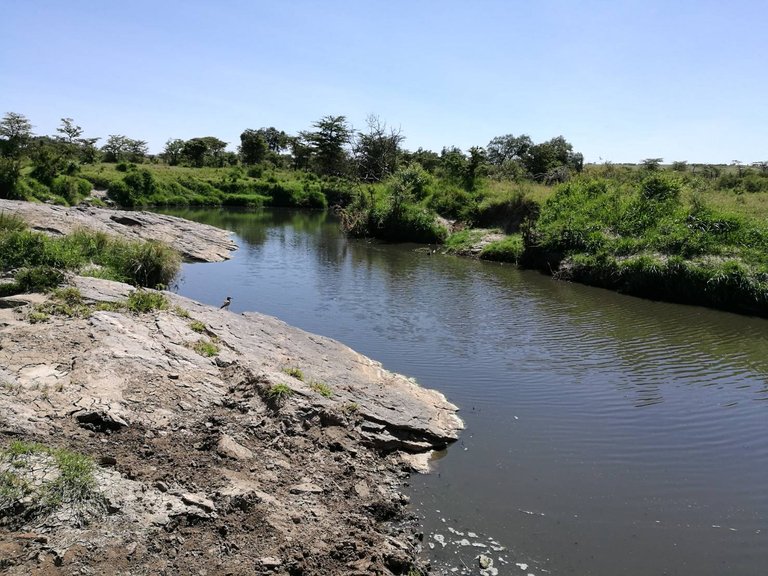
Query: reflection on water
(606, 434)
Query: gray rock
(306, 488)
(229, 448)
(198, 500)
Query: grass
(36, 480)
(143, 301)
(43, 259)
(350, 408)
(278, 394)
(206, 347)
(160, 185)
(294, 372)
(181, 312)
(197, 326)
(322, 389)
(66, 302)
(655, 237)
(510, 249)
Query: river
(605, 435)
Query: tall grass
(139, 263)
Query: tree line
(332, 147)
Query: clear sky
(622, 80)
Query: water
(605, 434)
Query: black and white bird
(226, 304)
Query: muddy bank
(202, 468)
(196, 242)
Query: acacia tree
(119, 148)
(328, 143)
(15, 134)
(377, 152)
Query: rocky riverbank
(200, 441)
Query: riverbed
(605, 434)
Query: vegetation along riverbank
(683, 232)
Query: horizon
(621, 83)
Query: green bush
(143, 301)
(38, 279)
(72, 189)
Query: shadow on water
(605, 434)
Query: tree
(508, 148)
(276, 140)
(120, 148)
(205, 151)
(377, 152)
(652, 164)
(16, 132)
(301, 153)
(71, 132)
(328, 142)
(428, 159)
(553, 160)
(49, 158)
(253, 147)
(172, 153)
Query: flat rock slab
(195, 242)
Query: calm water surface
(605, 434)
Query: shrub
(147, 264)
(142, 301)
(38, 279)
(72, 189)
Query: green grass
(510, 249)
(655, 237)
(66, 302)
(206, 347)
(350, 408)
(295, 372)
(43, 258)
(68, 480)
(278, 394)
(322, 389)
(143, 301)
(162, 185)
(181, 312)
(197, 326)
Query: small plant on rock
(322, 389)
(197, 326)
(278, 394)
(206, 347)
(141, 301)
(295, 372)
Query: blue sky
(621, 80)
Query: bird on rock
(226, 304)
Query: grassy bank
(138, 185)
(39, 261)
(656, 237)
